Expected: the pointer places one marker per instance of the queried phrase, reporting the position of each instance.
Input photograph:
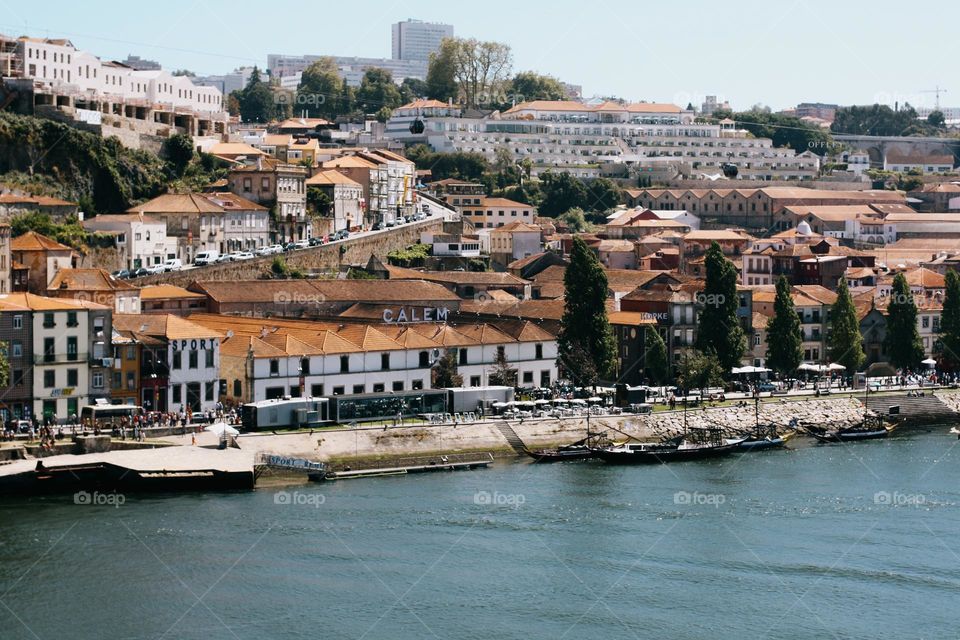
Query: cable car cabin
(285, 413)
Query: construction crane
(937, 91)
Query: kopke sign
(416, 314)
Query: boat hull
(560, 455)
(666, 455)
(850, 436)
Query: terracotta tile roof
(33, 241)
(87, 280)
(457, 277)
(516, 226)
(41, 303)
(502, 202)
(232, 202)
(425, 104)
(630, 318)
(162, 326)
(234, 149)
(301, 123)
(330, 177)
(348, 162)
(165, 291)
(177, 203)
(44, 201)
(331, 290)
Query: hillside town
(273, 266)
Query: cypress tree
(655, 356)
(902, 341)
(586, 342)
(718, 329)
(846, 342)
(950, 320)
(784, 335)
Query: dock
(404, 466)
(167, 469)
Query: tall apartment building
(416, 40)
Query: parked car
(765, 387)
(302, 244)
(173, 264)
(139, 273)
(376, 226)
(316, 241)
(206, 257)
(224, 257)
(276, 248)
(157, 268)
(391, 223)
(241, 255)
(264, 251)
(121, 273)
(290, 246)
(344, 233)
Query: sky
(773, 52)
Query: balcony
(59, 358)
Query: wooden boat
(695, 444)
(579, 450)
(759, 441)
(871, 428)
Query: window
(208, 391)
(97, 378)
(18, 377)
(462, 356)
(501, 352)
(398, 385)
(385, 361)
(274, 367)
(193, 359)
(237, 388)
(925, 322)
(474, 381)
(378, 387)
(177, 360)
(756, 339)
(338, 391)
(424, 359)
(344, 364)
(48, 321)
(528, 377)
(18, 321)
(131, 381)
(72, 319)
(316, 390)
(72, 348)
(49, 379)
(208, 358)
(48, 350)
(539, 352)
(358, 388)
(416, 385)
(16, 349)
(305, 366)
(73, 375)
(177, 393)
(131, 353)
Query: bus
(108, 414)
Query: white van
(205, 258)
(172, 264)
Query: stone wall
(325, 258)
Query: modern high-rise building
(416, 40)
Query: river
(821, 541)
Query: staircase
(928, 410)
(512, 438)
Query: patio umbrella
(930, 362)
(221, 428)
(833, 366)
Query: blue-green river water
(821, 541)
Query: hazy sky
(775, 52)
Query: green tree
(699, 370)
(480, 69)
(378, 92)
(412, 89)
(784, 334)
(718, 329)
(574, 220)
(444, 373)
(786, 131)
(441, 72)
(507, 171)
(604, 194)
(4, 367)
(950, 320)
(845, 341)
(178, 151)
(655, 360)
(318, 202)
(459, 164)
(936, 119)
(586, 338)
(902, 342)
(561, 192)
(256, 100)
(874, 120)
(321, 92)
(527, 86)
(502, 373)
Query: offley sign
(416, 314)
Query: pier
(404, 466)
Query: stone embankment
(388, 441)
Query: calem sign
(416, 314)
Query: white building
(416, 40)
(579, 138)
(903, 162)
(141, 239)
